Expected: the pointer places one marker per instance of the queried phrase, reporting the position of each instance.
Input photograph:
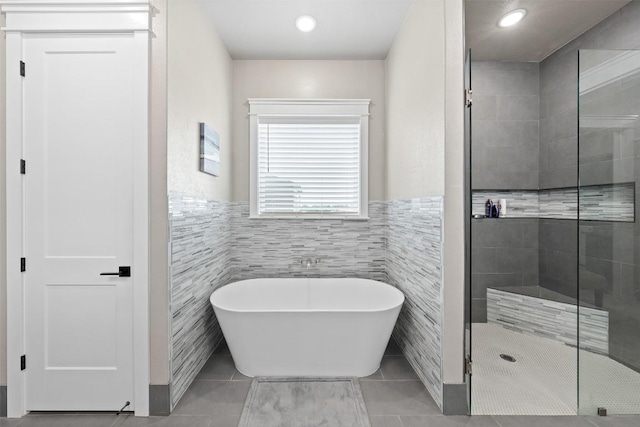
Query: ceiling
(346, 29)
(549, 25)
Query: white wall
(454, 214)
(415, 78)
(307, 79)
(3, 217)
(190, 83)
(158, 293)
(199, 90)
(425, 133)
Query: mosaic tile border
(614, 202)
(550, 319)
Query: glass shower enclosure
(608, 261)
(553, 291)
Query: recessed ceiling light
(512, 18)
(305, 23)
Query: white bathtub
(307, 327)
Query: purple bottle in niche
(491, 209)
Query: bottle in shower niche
(492, 210)
(488, 207)
(502, 207)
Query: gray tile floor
(394, 397)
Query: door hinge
(468, 98)
(23, 69)
(23, 166)
(468, 366)
(23, 362)
(23, 265)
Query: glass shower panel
(609, 235)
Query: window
(309, 158)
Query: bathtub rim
(328, 310)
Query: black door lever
(122, 272)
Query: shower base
(543, 379)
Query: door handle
(122, 272)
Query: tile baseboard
(159, 400)
(454, 399)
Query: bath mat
(304, 402)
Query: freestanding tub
(307, 327)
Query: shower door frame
(468, 303)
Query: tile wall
(557, 245)
(505, 152)
(214, 243)
(200, 243)
(550, 319)
(345, 248)
(414, 265)
(608, 254)
(504, 253)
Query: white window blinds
(309, 166)
(308, 158)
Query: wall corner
(453, 220)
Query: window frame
(315, 109)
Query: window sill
(315, 217)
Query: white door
(78, 146)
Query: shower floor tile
(543, 380)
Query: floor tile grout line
(117, 422)
(591, 422)
(421, 414)
(495, 420)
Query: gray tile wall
(609, 253)
(558, 107)
(505, 125)
(200, 263)
(346, 248)
(610, 258)
(558, 122)
(504, 155)
(558, 245)
(414, 265)
(505, 253)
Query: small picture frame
(209, 150)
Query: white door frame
(47, 17)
